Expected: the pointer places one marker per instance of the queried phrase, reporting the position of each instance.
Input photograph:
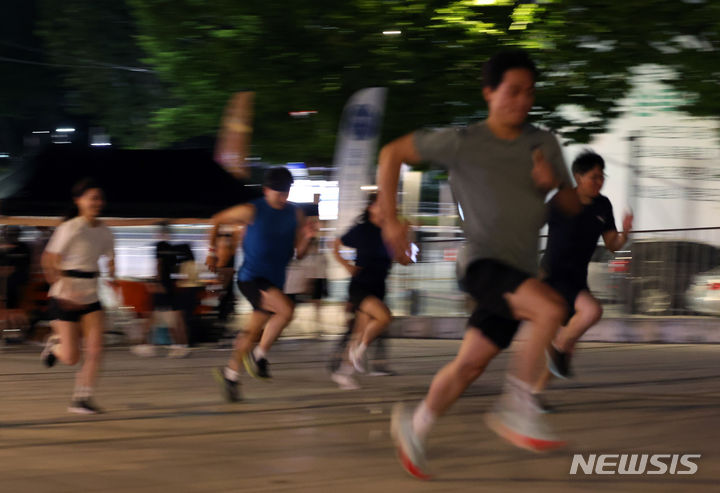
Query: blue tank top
(269, 243)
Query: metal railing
(653, 275)
(658, 273)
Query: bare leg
(588, 312)
(318, 317)
(245, 341)
(178, 328)
(68, 350)
(273, 300)
(545, 311)
(476, 351)
(92, 326)
(380, 318)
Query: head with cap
(276, 186)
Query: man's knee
(555, 309)
(286, 311)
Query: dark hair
(586, 161)
(12, 233)
(502, 61)
(164, 226)
(365, 216)
(78, 190)
(278, 179)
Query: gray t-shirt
(502, 210)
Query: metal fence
(658, 273)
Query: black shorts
(357, 292)
(319, 289)
(59, 312)
(167, 301)
(488, 281)
(569, 289)
(252, 291)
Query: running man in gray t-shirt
(501, 171)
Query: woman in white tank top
(70, 263)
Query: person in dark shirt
(15, 258)
(571, 244)
(166, 296)
(366, 292)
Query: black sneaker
(558, 362)
(47, 356)
(84, 406)
(263, 367)
(257, 369)
(230, 389)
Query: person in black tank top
(571, 244)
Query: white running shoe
(179, 351)
(143, 350)
(345, 382)
(410, 448)
(517, 418)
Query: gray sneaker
(410, 449)
(542, 405)
(517, 419)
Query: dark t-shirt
(572, 240)
(372, 255)
(18, 256)
(169, 258)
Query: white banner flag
(355, 151)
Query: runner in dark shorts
(70, 263)
(501, 171)
(275, 230)
(571, 244)
(366, 292)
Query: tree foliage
(302, 55)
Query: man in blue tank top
(275, 231)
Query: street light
(391, 33)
